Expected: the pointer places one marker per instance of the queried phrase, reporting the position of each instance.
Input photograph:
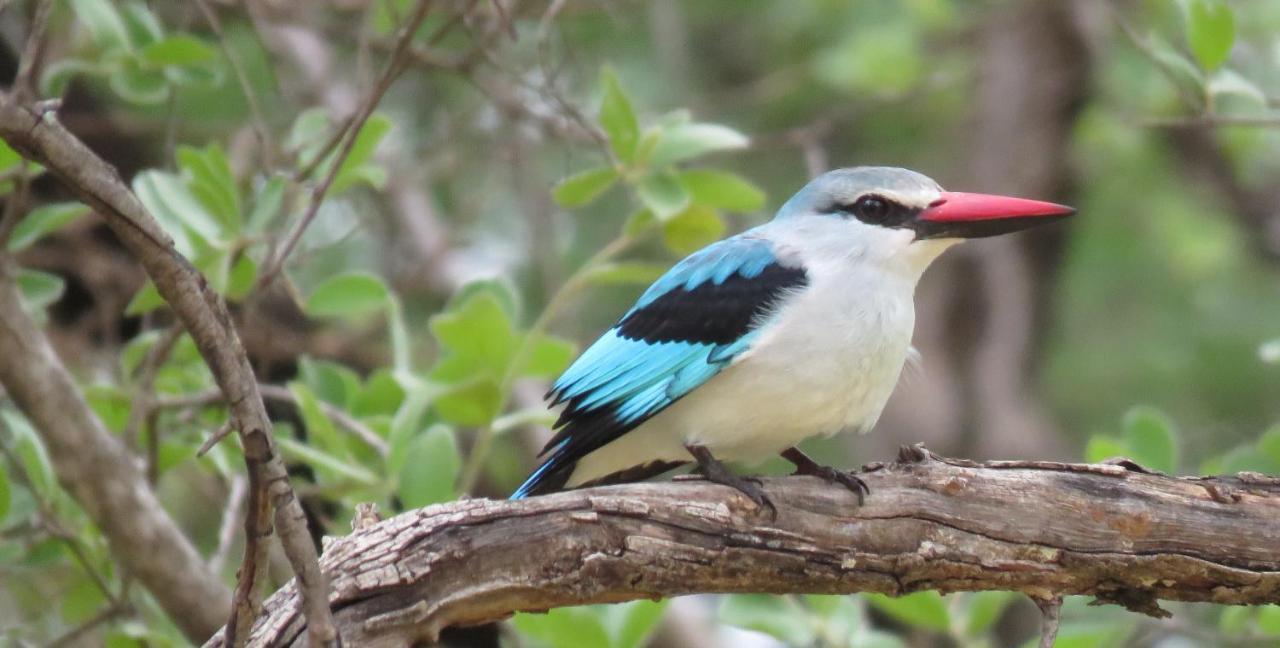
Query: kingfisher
(797, 328)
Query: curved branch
(204, 314)
(1045, 529)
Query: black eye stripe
(875, 209)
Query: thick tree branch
(204, 314)
(1045, 529)
(103, 477)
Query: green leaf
(240, 280)
(471, 404)
(567, 627)
(210, 179)
(768, 614)
(1229, 83)
(884, 58)
(1234, 619)
(550, 356)
(321, 432)
(145, 300)
(141, 24)
(1269, 620)
(105, 26)
(331, 382)
(183, 215)
(626, 272)
(356, 168)
(630, 624)
(267, 203)
(110, 403)
(693, 229)
(1150, 437)
(478, 337)
(687, 141)
(722, 190)
(430, 468)
(57, 76)
(139, 85)
(663, 194)
(179, 50)
(31, 452)
(43, 220)
(355, 294)
(39, 289)
(921, 609)
(1269, 444)
(381, 395)
(984, 609)
(1210, 30)
(81, 601)
(5, 494)
(584, 187)
(617, 117)
(334, 468)
(1101, 448)
(639, 223)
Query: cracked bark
(1041, 528)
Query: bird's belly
(808, 376)
(827, 364)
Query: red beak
(971, 215)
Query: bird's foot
(806, 466)
(713, 470)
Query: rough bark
(1042, 528)
(103, 477)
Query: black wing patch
(711, 313)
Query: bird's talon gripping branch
(716, 472)
(807, 466)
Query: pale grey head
(891, 198)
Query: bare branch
(1042, 528)
(204, 315)
(347, 136)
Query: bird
(796, 328)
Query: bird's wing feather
(690, 324)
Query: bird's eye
(872, 209)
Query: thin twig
(350, 132)
(230, 521)
(260, 129)
(1051, 617)
(1211, 120)
(73, 636)
(282, 394)
(32, 53)
(218, 435)
(144, 383)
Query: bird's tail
(551, 476)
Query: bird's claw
(847, 479)
(749, 486)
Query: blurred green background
(537, 164)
